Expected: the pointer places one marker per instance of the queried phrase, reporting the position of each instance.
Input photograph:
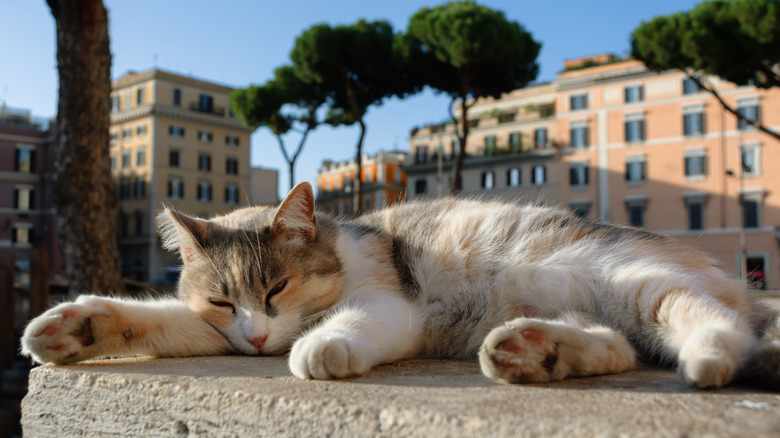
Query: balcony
(207, 109)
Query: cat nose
(259, 341)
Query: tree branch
(729, 108)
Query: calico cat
(536, 293)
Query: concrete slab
(253, 396)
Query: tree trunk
(456, 185)
(83, 189)
(358, 184)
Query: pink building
(27, 215)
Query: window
(578, 174)
(515, 142)
(24, 161)
(513, 177)
(490, 145)
(750, 213)
(397, 176)
(487, 180)
(139, 96)
(231, 140)
(540, 138)
(579, 134)
(124, 190)
(123, 224)
(173, 158)
(139, 222)
(206, 103)
(231, 194)
(204, 162)
(140, 131)
(205, 136)
(126, 160)
(176, 97)
(140, 157)
(693, 120)
(506, 117)
(695, 214)
(127, 133)
(114, 104)
(347, 210)
(140, 188)
(539, 175)
(580, 208)
(176, 131)
(231, 166)
(175, 188)
(204, 191)
(367, 205)
(756, 272)
(635, 169)
(749, 109)
(635, 127)
(368, 176)
(578, 102)
(634, 93)
(22, 234)
(24, 198)
(113, 161)
(636, 215)
(336, 209)
(750, 159)
(473, 123)
(421, 154)
(695, 163)
(22, 271)
(420, 186)
(113, 137)
(690, 86)
(127, 97)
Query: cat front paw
(323, 355)
(66, 333)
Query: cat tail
(762, 368)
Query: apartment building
(384, 183)
(510, 150)
(174, 142)
(632, 147)
(27, 213)
(653, 150)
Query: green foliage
(736, 40)
(465, 49)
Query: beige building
(263, 185)
(384, 183)
(510, 150)
(174, 142)
(631, 146)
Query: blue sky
(241, 42)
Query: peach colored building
(661, 154)
(384, 183)
(174, 142)
(630, 146)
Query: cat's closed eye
(275, 290)
(225, 304)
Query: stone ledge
(254, 396)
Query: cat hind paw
(523, 350)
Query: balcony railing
(214, 110)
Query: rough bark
(83, 189)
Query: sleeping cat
(535, 292)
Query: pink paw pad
(69, 314)
(533, 336)
(50, 330)
(510, 346)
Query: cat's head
(258, 275)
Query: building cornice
(479, 162)
(176, 113)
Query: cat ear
(295, 216)
(183, 233)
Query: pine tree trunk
(83, 189)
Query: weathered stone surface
(251, 396)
